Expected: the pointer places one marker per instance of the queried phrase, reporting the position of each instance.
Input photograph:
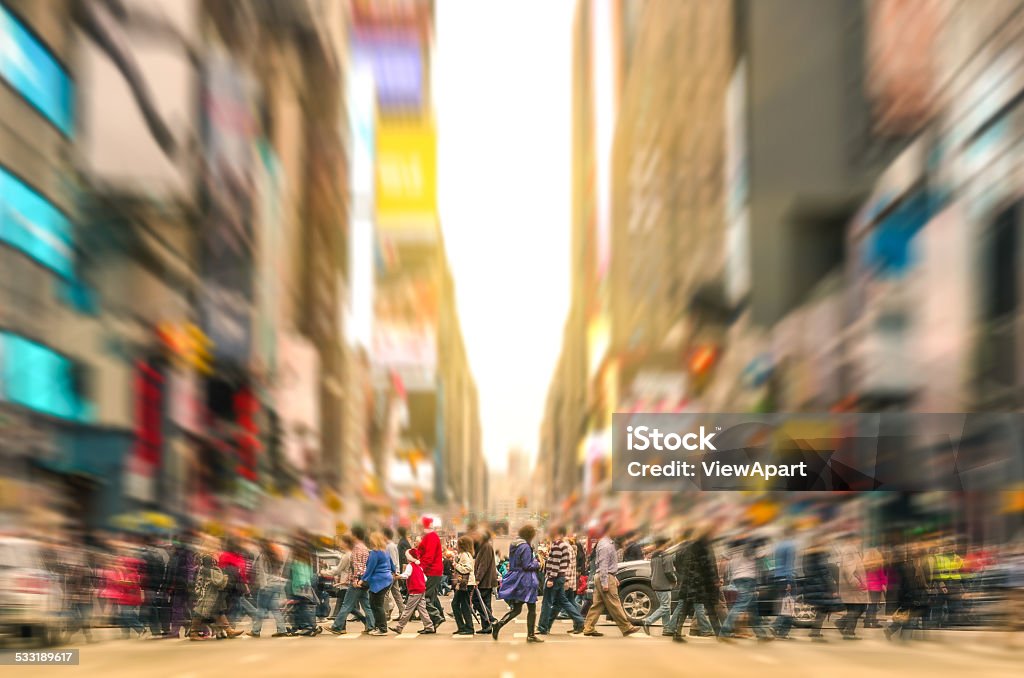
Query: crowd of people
(201, 588)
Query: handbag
(460, 581)
(901, 616)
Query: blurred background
(227, 305)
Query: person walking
(519, 586)
(853, 586)
(268, 576)
(486, 580)
(156, 608)
(395, 592)
(910, 594)
(232, 562)
(300, 587)
(464, 572)
(404, 545)
(207, 586)
(342, 572)
(181, 572)
(432, 561)
(356, 595)
(377, 579)
(128, 587)
(821, 590)
(876, 566)
(663, 581)
(606, 589)
(561, 560)
(698, 580)
(743, 574)
(416, 585)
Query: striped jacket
(558, 562)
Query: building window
(39, 378)
(32, 71)
(33, 226)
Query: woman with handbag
(300, 587)
(519, 587)
(379, 575)
(463, 582)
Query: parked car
(30, 596)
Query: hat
(413, 556)
(426, 521)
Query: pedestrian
(156, 608)
(431, 560)
(634, 549)
(342, 572)
(561, 560)
(129, 595)
(853, 586)
(233, 563)
(464, 583)
(181, 572)
(699, 586)
(606, 589)
(743, 576)
(875, 566)
(79, 588)
(357, 595)
(910, 593)
(821, 590)
(300, 582)
(268, 576)
(207, 599)
(416, 585)
(663, 581)
(395, 593)
(486, 580)
(403, 547)
(519, 586)
(377, 579)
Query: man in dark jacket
(486, 579)
(663, 581)
(697, 575)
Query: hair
(557, 531)
(301, 551)
(348, 540)
(231, 545)
(270, 553)
(359, 532)
(466, 545)
(378, 542)
(527, 533)
(403, 532)
(389, 533)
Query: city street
(951, 653)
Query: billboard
(34, 73)
(362, 246)
(227, 258)
(399, 69)
(406, 178)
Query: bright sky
(503, 96)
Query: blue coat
(521, 581)
(379, 571)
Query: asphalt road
(965, 654)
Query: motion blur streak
(234, 382)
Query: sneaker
(426, 632)
(574, 632)
(377, 633)
(630, 631)
(647, 628)
(395, 630)
(465, 633)
(494, 631)
(542, 633)
(337, 632)
(593, 634)
(533, 639)
(317, 631)
(484, 631)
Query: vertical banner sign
(228, 248)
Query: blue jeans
(555, 598)
(746, 601)
(268, 601)
(302, 615)
(664, 611)
(700, 617)
(782, 626)
(128, 619)
(354, 597)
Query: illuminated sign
(406, 194)
(39, 378)
(32, 225)
(32, 71)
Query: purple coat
(521, 581)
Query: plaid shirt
(557, 564)
(360, 554)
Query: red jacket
(416, 583)
(236, 560)
(430, 555)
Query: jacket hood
(516, 542)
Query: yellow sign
(406, 176)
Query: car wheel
(638, 601)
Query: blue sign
(397, 67)
(39, 378)
(32, 71)
(32, 225)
